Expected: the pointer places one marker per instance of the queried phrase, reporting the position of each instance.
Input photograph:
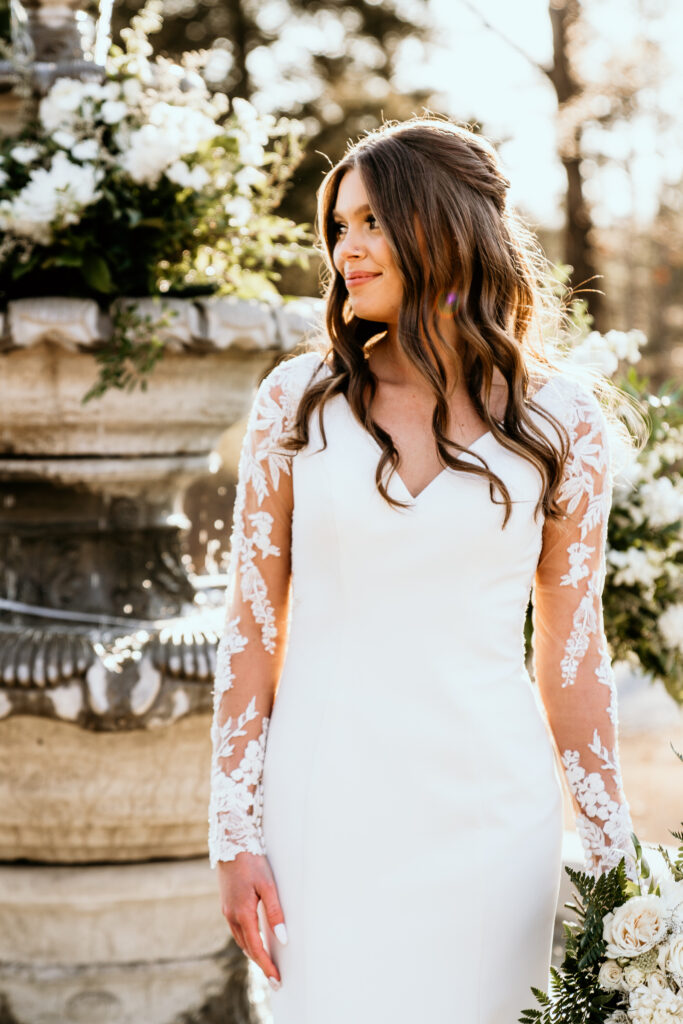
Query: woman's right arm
(250, 656)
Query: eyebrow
(359, 209)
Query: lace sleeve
(571, 659)
(251, 649)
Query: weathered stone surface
(68, 322)
(209, 990)
(191, 399)
(69, 795)
(249, 326)
(125, 944)
(184, 327)
(91, 914)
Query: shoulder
(573, 402)
(279, 393)
(290, 377)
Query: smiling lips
(359, 277)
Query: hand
(242, 882)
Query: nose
(349, 246)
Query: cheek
(385, 257)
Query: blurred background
(584, 101)
(115, 515)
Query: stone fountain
(108, 908)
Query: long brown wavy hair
(446, 179)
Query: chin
(363, 312)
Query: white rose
(671, 956)
(635, 926)
(633, 976)
(618, 1017)
(657, 983)
(611, 977)
(24, 154)
(87, 149)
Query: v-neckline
(442, 472)
(396, 474)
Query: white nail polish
(280, 933)
(274, 984)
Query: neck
(394, 366)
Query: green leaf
(97, 275)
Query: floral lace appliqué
(603, 821)
(239, 743)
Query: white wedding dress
(376, 732)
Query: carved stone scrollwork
(107, 680)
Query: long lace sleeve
(571, 659)
(252, 646)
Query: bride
(386, 805)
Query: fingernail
(280, 933)
(274, 984)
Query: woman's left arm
(571, 659)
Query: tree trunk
(578, 242)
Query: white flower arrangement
(146, 183)
(644, 950)
(624, 958)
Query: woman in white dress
(386, 810)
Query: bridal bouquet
(623, 962)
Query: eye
(372, 221)
(337, 229)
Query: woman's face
(362, 256)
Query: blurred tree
(5, 35)
(330, 63)
(666, 240)
(605, 85)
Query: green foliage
(135, 347)
(631, 611)
(644, 566)
(575, 996)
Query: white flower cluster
(605, 351)
(640, 567)
(149, 118)
(54, 196)
(169, 134)
(644, 948)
